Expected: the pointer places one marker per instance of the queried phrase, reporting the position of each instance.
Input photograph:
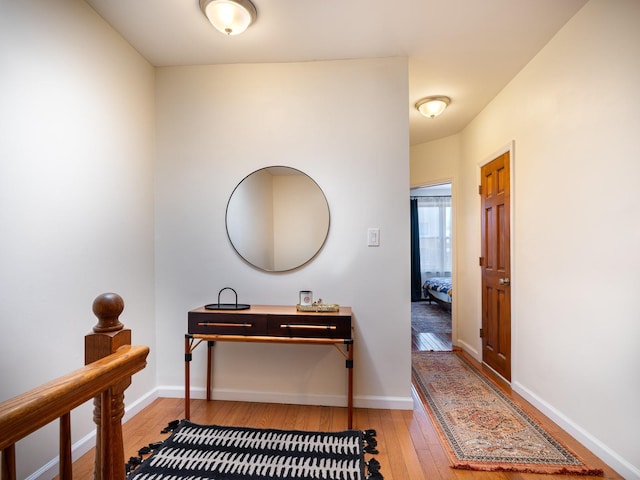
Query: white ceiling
(465, 49)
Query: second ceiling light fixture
(431, 107)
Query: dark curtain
(416, 279)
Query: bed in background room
(439, 290)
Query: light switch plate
(373, 237)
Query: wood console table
(268, 324)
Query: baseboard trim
(392, 403)
(469, 349)
(611, 458)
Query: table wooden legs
(350, 385)
(210, 345)
(187, 376)
(189, 347)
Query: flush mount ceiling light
(431, 107)
(231, 17)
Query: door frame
(454, 274)
(510, 148)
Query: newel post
(108, 335)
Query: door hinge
(481, 261)
(481, 333)
(479, 189)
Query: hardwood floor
(425, 337)
(427, 341)
(409, 446)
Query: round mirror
(277, 218)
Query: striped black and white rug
(199, 452)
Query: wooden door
(495, 263)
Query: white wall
(574, 115)
(217, 124)
(435, 162)
(76, 203)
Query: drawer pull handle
(210, 324)
(309, 327)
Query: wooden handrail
(26, 413)
(110, 361)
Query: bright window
(434, 220)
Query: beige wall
(435, 162)
(76, 199)
(573, 114)
(217, 124)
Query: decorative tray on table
(227, 306)
(319, 307)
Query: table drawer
(311, 326)
(227, 324)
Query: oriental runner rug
(480, 427)
(199, 452)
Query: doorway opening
(431, 268)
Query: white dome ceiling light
(230, 17)
(431, 107)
